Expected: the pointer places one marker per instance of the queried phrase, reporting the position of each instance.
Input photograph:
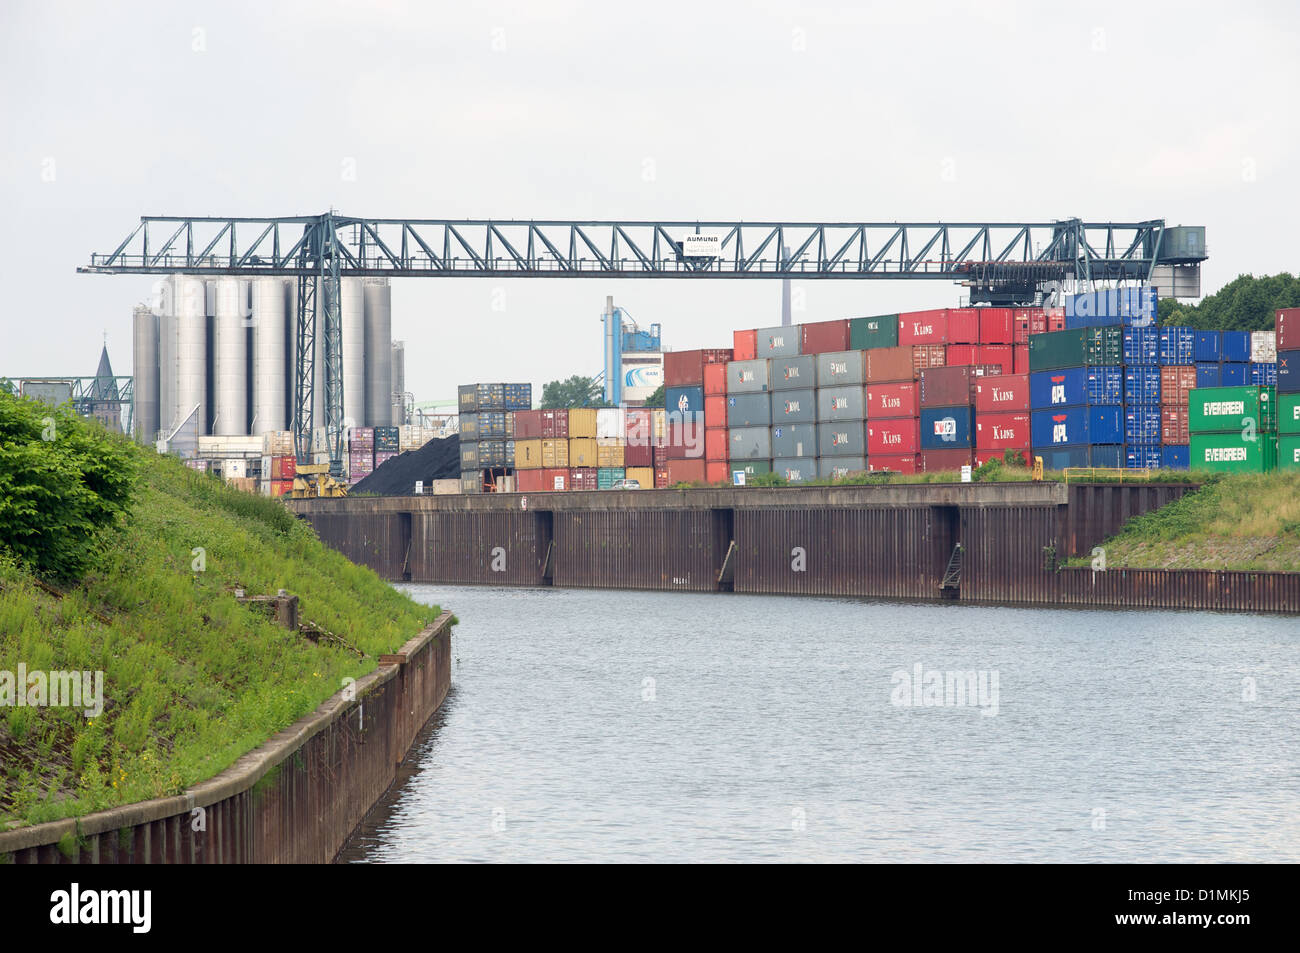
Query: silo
(190, 340)
(144, 370)
(398, 350)
(230, 359)
(352, 316)
(291, 349)
(268, 355)
(166, 308)
(378, 301)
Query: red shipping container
(823, 336)
(1288, 329)
(685, 471)
(715, 408)
(746, 345)
(923, 327)
(984, 456)
(1002, 393)
(555, 423)
(997, 326)
(583, 478)
(715, 444)
(554, 479)
(660, 456)
(281, 487)
(898, 463)
(962, 354)
(892, 400)
(1020, 333)
(1020, 359)
(900, 435)
(531, 481)
(1002, 431)
(1173, 425)
(638, 454)
(715, 378)
(886, 364)
(935, 461)
(946, 386)
(1055, 319)
(686, 368)
(1175, 381)
(963, 327)
(928, 355)
(528, 424)
(637, 424)
(996, 354)
(715, 472)
(661, 478)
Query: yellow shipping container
(659, 421)
(528, 454)
(583, 450)
(643, 475)
(555, 453)
(609, 454)
(582, 423)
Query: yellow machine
(1038, 469)
(314, 480)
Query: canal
(588, 725)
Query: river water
(645, 726)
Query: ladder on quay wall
(950, 587)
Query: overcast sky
(760, 111)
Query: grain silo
(378, 302)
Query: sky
(996, 111)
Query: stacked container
(1002, 419)
(1233, 429)
(1288, 386)
(841, 413)
(1076, 392)
(893, 410)
(687, 377)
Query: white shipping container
(446, 487)
(610, 422)
(233, 468)
(277, 443)
(1263, 346)
(318, 440)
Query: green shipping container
(1288, 452)
(751, 467)
(606, 477)
(1053, 349)
(1228, 409)
(1233, 453)
(1103, 346)
(1288, 413)
(880, 331)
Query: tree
(1246, 303)
(657, 398)
(577, 391)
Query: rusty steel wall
(889, 553)
(1004, 558)
(300, 811)
(641, 549)
(377, 540)
(1098, 510)
(1211, 589)
(503, 549)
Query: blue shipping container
(1136, 458)
(1142, 424)
(1106, 455)
(1141, 346)
(1105, 384)
(943, 428)
(1263, 375)
(1177, 345)
(686, 400)
(1086, 456)
(1209, 375)
(1288, 372)
(1174, 457)
(1208, 346)
(1065, 387)
(1235, 346)
(1234, 375)
(1142, 384)
(1069, 426)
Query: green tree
(63, 482)
(577, 391)
(658, 397)
(1246, 303)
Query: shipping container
(584, 452)
(1144, 456)
(997, 326)
(1057, 349)
(928, 355)
(873, 332)
(793, 373)
(606, 477)
(636, 455)
(837, 468)
(528, 424)
(387, 439)
(1175, 381)
(1069, 426)
(1263, 347)
(1062, 387)
(1098, 455)
(999, 393)
(555, 453)
(1103, 346)
(1002, 431)
(518, 396)
(1209, 375)
(471, 482)
(796, 469)
(1288, 451)
(715, 471)
(894, 436)
(985, 454)
(1232, 409)
(1206, 346)
(1286, 334)
(715, 379)
(1288, 371)
(1173, 424)
(845, 438)
(361, 438)
(1000, 355)
(1142, 384)
(963, 327)
(1236, 347)
(1141, 345)
(496, 453)
(958, 355)
(946, 386)
(584, 478)
(1142, 424)
(893, 400)
(842, 403)
(528, 454)
(751, 468)
(823, 336)
(1174, 457)
(1263, 374)
(1177, 345)
(715, 408)
(582, 421)
(794, 440)
(778, 341)
(383, 456)
(716, 443)
(748, 443)
(889, 364)
(1232, 452)
(488, 425)
(1288, 413)
(923, 327)
(555, 423)
(686, 368)
(794, 407)
(748, 377)
(745, 345)
(281, 487)
(556, 478)
(645, 476)
(939, 461)
(468, 456)
(1105, 385)
(1020, 358)
(944, 428)
(610, 454)
(838, 368)
(685, 471)
(467, 398)
(749, 410)
(683, 400)
(894, 463)
(610, 424)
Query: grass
(986, 474)
(1238, 521)
(192, 679)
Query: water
(630, 726)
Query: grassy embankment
(192, 678)
(1238, 521)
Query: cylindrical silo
(318, 362)
(230, 360)
(379, 352)
(268, 355)
(290, 291)
(190, 339)
(144, 371)
(352, 316)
